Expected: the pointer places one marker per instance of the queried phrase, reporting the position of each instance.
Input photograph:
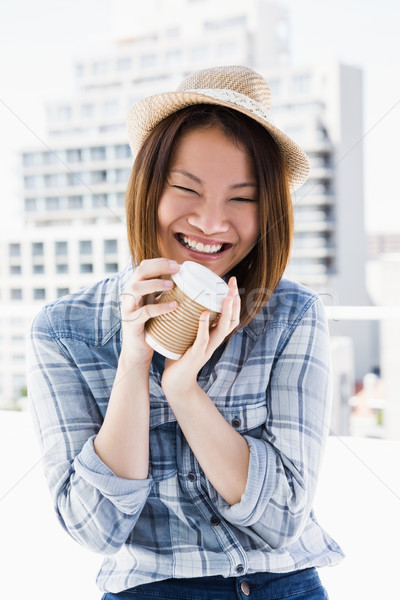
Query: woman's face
(208, 211)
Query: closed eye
(240, 199)
(180, 187)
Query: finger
(155, 267)
(203, 331)
(143, 314)
(236, 310)
(234, 291)
(145, 287)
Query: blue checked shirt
(271, 382)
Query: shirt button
(239, 569)
(236, 422)
(191, 476)
(215, 521)
(244, 586)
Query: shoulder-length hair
(260, 271)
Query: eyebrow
(197, 180)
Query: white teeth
(200, 247)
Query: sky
(40, 40)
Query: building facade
(73, 224)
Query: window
(98, 153)
(172, 32)
(301, 84)
(62, 292)
(120, 199)
(15, 269)
(39, 294)
(14, 249)
(62, 268)
(111, 108)
(52, 203)
(227, 48)
(99, 67)
(75, 178)
(15, 294)
(148, 60)
(199, 53)
(37, 248)
(64, 113)
(110, 246)
(99, 200)
(38, 269)
(75, 202)
(98, 176)
(17, 358)
(30, 159)
(122, 175)
(85, 247)
(51, 158)
(111, 267)
(124, 63)
(18, 383)
(86, 268)
(275, 86)
(61, 248)
(17, 339)
(74, 155)
(54, 180)
(30, 182)
(174, 57)
(30, 204)
(87, 111)
(123, 151)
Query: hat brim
(147, 113)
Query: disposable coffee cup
(196, 289)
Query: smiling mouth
(199, 246)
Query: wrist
(175, 392)
(129, 361)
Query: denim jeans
(298, 585)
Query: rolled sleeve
(97, 508)
(285, 459)
(127, 495)
(260, 486)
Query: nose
(209, 218)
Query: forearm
(221, 451)
(123, 440)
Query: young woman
(195, 478)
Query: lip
(202, 255)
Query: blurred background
(69, 71)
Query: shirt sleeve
(285, 461)
(97, 508)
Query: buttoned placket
(221, 529)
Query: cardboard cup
(196, 289)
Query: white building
(73, 220)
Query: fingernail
(173, 264)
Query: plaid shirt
(271, 383)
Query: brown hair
(260, 271)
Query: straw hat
(236, 87)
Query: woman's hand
(138, 305)
(180, 375)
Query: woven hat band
(239, 79)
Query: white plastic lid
(201, 285)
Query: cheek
(250, 227)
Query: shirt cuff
(261, 481)
(127, 495)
